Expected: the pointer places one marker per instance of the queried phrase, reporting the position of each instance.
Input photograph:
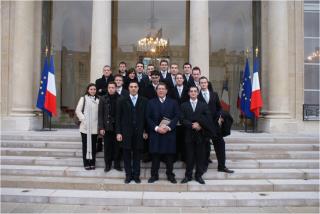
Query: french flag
(225, 104)
(50, 94)
(256, 99)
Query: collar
(136, 96)
(164, 99)
(194, 101)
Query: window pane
(311, 76)
(311, 97)
(311, 24)
(311, 50)
(133, 21)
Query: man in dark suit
(106, 126)
(143, 79)
(150, 91)
(196, 118)
(171, 80)
(150, 68)
(118, 79)
(165, 75)
(196, 74)
(102, 82)
(122, 69)
(213, 102)
(130, 129)
(180, 94)
(187, 71)
(162, 115)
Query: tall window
(234, 28)
(311, 52)
(135, 20)
(70, 37)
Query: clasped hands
(196, 126)
(162, 129)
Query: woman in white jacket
(87, 112)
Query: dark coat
(144, 82)
(166, 80)
(201, 115)
(150, 92)
(225, 128)
(124, 121)
(187, 82)
(124, 92)
(156, 111)
(174, 94)
(107, 112)
(102, 84)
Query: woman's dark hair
(130, 71)
(87, 90)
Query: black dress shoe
(200, 180)
(153, 179)
(127, 180)
(107, 168)
(137, 180)
(186, 180)
(92, 167)
(172, 180)
(209, 161)
(226, 170)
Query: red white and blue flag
(225, 103)
(256, 99)
(47, 91)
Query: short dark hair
(150, 65)
(187, 63)
(123, 63)
(118, 75)
(174, 64)
(163, 60)
(140, 63)
(112, 83)
(163, 84)
(203, 78)
(134, 81)
(155, 73)
(131, 70)
(87, 90)
(196, 68)
(179, 73)
(193, 86)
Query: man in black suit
(187, 70)
(150, 91)
(122, 69)
(118, 79)
(171, 80)
(180, 94)
(102, 82)
(143, 79)
(106, 126)
(150, 68)
(130, 129)
(196, 118)
(212, 100)
(165, 75)
(196, 74)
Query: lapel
(129, 102)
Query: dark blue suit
(162, 144)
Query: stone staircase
(270, 171)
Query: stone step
(161, 186)
(229, 146)
(161, 199)
(233, 164)
(145, 173)
(230, 154)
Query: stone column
(23, 59)
(101, 37)
(199, 35)
(276, 73)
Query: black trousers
(220, 150)
(196, 149)
(181, 146)
(112, 149)
(168, 159)
(88, 162)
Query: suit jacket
(225, 128)
(166, 80)
(169, 82)
(102, 84)
(124, 121)
(150, 92)
(156, 111)
(124, 92)
(174, 94)
(144, 82)
(187, 82)
(107, 112)
(201, 115)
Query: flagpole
(245, 117)
(43, 112)
(255, 121)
